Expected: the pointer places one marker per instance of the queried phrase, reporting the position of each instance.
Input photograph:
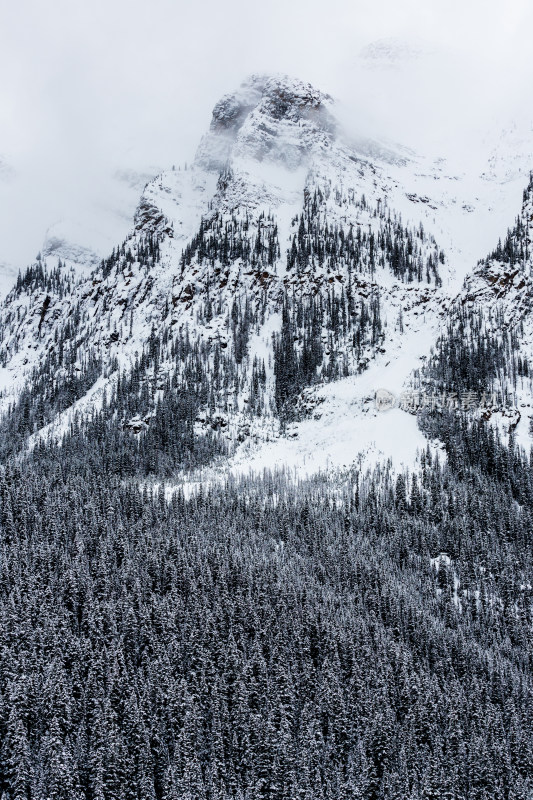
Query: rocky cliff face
(268, 118)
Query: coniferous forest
(358, 635)
(263, 639)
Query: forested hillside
(172, 628)
(269, 641)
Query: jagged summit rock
(231, 110)
(278, 117)
(280, 97)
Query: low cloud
(92, 88)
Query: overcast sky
(89, 86)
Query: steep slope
(486, 347)
(287, 256)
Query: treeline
(479, 352)
(146, 251)
(37, 277)
(225, 241)
(322, 338)
(409, 253)
(516, 246)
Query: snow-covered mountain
(291, 271)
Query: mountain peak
(281, 96)
(262, 111)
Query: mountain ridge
(277, 204)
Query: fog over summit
(91, 94)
